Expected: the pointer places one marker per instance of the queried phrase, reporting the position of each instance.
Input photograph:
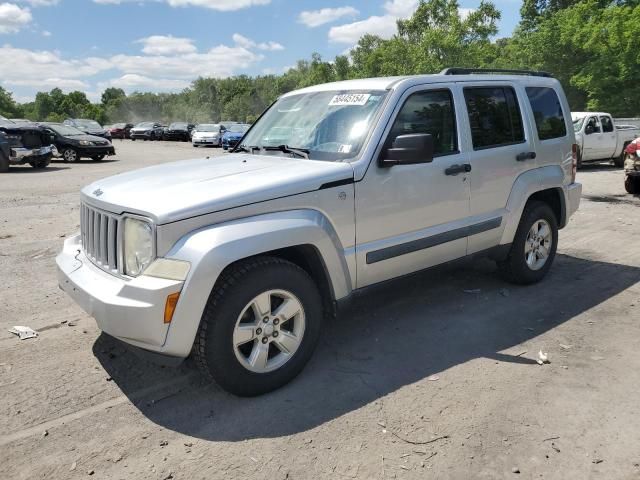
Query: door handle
(521, 157)
(456, 169)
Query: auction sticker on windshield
(349, 99)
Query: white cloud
(401, 8)
(244, 42)
(383, 26)
(220, 5)
(13, 17)
(41, 3)
(166, 45)
(66, 84)
(315, 18)
(132, 81)
(465, 12)
(46, 33)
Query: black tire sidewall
(223, 314)
(519, 271)
(632, 184)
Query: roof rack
(467, 71)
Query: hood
(206, 134)
(94, 131)
(179, 190)
(142, 129)
(234, 134)
(90, 138)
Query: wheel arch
(303, 237)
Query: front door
(409, 217)
(592, 139)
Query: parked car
(599, 138)
(632, 167)
(120, 130)
(241, 260)
(233, 135)
(23, 143)
(178, 131)
(73, 144)
(147, 131)
(208, 134)
(90, 127)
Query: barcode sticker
(349, 99)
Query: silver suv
(335, 188)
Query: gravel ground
(419, 379)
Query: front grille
(100, 237)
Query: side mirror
(589, 129)
(408, 149)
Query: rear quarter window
(547, 112)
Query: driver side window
(431, 112)
(592, 125)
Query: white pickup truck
(599, 138)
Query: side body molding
(211, 249)
(530, 182)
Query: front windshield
(331, 125)
(145, 125)
(65, 130)
(88, 124)
(238, 128)
(119, 125)
(577, 124)
(178, 125)
(207, 127)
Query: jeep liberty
(238, 260)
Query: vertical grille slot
(99, 234)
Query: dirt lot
(418, 380)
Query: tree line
(591, 46)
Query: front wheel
(260, 326)
(70, 155)
(534, 245)
(40, 164)
(632, 184)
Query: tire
(515, 268)
(234, 294)
(632, 184)
(619, 160)
(4, 163)
(40, 164)
(70, 155)
(579, 162)
(133, 139)
(98, 158)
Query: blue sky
(161, 45)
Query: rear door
(501, 150)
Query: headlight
(138, 246)
(84, 142)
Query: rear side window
(494, 116)
(547, 111)
(607, 124)
(429, 112)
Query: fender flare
(211, 249)
(527, 184)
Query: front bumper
(140, 134)
(90, 151)
(130, 309)
(205, 141)
(632, 165)
(21, 155)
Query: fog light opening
(170, 306)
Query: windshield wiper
(245, 148)
(301, 152)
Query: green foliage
(591, 46)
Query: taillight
(574, 162)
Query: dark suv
(178, 131)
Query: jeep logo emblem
(98, 192)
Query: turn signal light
(170, 306)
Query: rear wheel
(632, 184)
(619, 160)
(534, 245)
(70, 155)
(260, 326)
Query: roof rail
(468, 71)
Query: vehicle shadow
(604, 165)
(29, 169)
(396, 335)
